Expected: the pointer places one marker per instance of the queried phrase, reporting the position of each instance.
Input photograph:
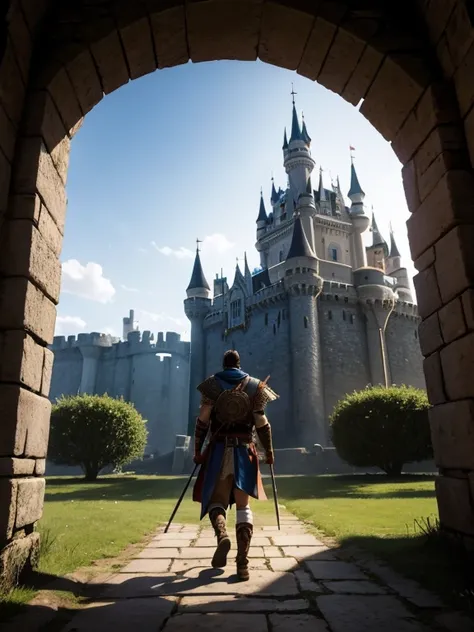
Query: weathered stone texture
(169, 35)
(85, 81)
(453, 496)
(316, 49)
(277, 44)
(138, 46)
(341, 61)
(455, 248)
(452, 432)
(65, 98)
(434, 379)
(15, 556)
(8, 495)
(29, 504)
(430, 334)
(427, 291)
(452, 321)
(11, 466)
(457, 360)
(108, 55)
(21, 359)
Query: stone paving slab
(144, 615)
(359, 613)
(128, 585)
(147, 566)
(296, 540)
(151, 552)
(231, 603)
(272, 551)
(184, 535)
(263, 582)
(169, 544)
(283, 563)
(361, 587)
(297, 623)
(307, 583)
(217, 622)
(309, 552)
(334, 570)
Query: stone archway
(409, 67)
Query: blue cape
(229, 378)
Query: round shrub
(95, 431)
(382, 427)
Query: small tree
(94, 432)
(382, 427)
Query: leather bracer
(200, 434)
(265, 435)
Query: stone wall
(404, 354)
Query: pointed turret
(262, 213)
(299, 244)
(322, 191)
(304, 134)
(239, 278)
(295, 127)
(274, 198)
(198, 286)
(377, 240)
(394, 252)
(285, 141)
(309, 186)
(356, 189)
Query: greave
(244, 532)
(217, 517)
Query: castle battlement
(94, 338)
(213, 318)
(272, 294)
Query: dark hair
(231, 360)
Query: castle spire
(295, 126)
(285, 141)
(262, 213)
(274, 197)
(299, 243)
(322, 191)
(394, 252)
(304, 133)
(198, 281)
(355, 189)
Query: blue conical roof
(394, 252)
(198, 280)
(295, 126)
(262, 213)
(285, 141)
(355, 186)
(299, 244)
(274, 197)
(304, 134)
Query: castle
(323, 316)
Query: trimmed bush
(94, 432)
(382, 427)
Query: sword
(181, 498)
(275, 497)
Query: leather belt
(233, 442)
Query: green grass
(84, 522)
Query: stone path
(297, 584)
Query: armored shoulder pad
(263, 395)
(210, 388)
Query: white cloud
(111, 331)
(69, 325)
(211, 244)
(179, 253)
(86, 281)
(128, 289)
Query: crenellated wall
(404, 353)
(137, 370)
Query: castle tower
(196, 307)
(297, 157)
(303, 285)
(306, 209)
(359, 218)
(378, 251)
(128, 325)
(393, 267)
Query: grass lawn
(84, 522)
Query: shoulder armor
(210, 388)
(263, 395)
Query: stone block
(8, 496)
(434, 379)
(83, 74)
(25, 207)
(230, 603)
(425, 260)
(111, 64)
(138, 46)
(363, 75)
(223, 30)
(24, 306)
(215, 622)
(427, 292)
(50, 231)
(452, 434)
(467, 300)
(42, 119)
(341, 61)
(262, 582)
(48, 360)
(169, 543)
(277, 44)
(334, 570)
(391, 97)
(436, 15)
(146, 615)
(40, 467)
(410, 185)
(147, 566)
(450, 203)
(459, 32)
(29, 504)
(455, 504)
(429, 333)
(469, 131)
(7, 134)
(457, 361)
(65, 98)
(60, 157)
(455, 247)
(21, 39)
(304, 553)
(357, 613)
(5, 172)
(18, 554)
(21, 359)
(36, 173)
(27, 254)
(24, 420)
(11, 466)
(316, 48)
(155, 553)
(169, 35)
(463, 82)
(451, 319)
(12, 88)
(297, 623)
(355, 588)
(295, 540)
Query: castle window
(305, 320)
(333, 254)
(329, 315)
(352, 319)
(280, 256)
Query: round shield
(232, 406)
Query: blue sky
(181, 154)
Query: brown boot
(244, 531)
(217, 518)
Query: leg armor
(244, 532)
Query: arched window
(334, 252)
(236, 309)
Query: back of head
(231, 360)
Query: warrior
(232, 409)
